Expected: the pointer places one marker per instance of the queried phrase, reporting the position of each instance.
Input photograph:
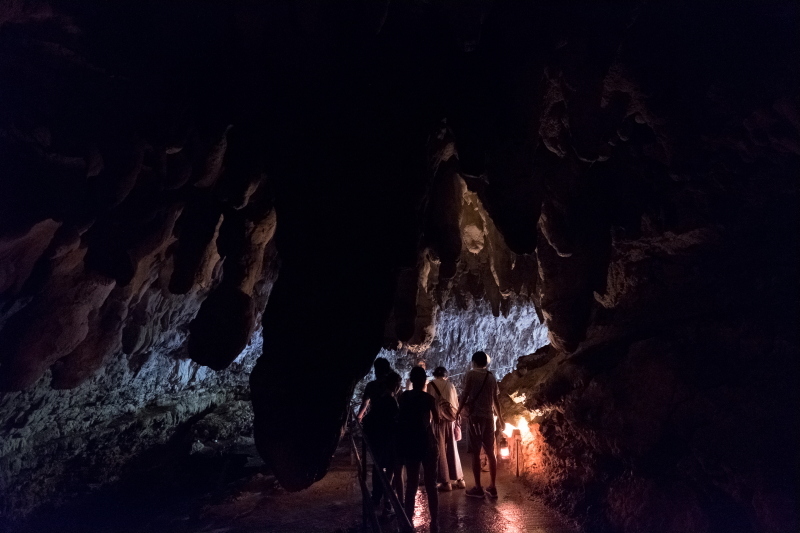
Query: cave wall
(136, 245)
(629, 170)
(664, 401)
(468, 290)
(460, 332)
(61, 444)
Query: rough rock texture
(136, 241)
(461, 332)
(56, 443)
(629, 169)
(674, 414)
(469, 291)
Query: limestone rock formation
(626, 173)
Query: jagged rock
(102, 342)
(209, 168)
(196, 254)
(223, 326)
(448, 176)
(18, 255)
(54, 323)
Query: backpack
(446, 410)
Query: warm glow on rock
(522, 426)
(518, 398)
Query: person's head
(418, 377)
(392, 382)
(480, 359)
(440, 372)
(421, 363)
(382, 367)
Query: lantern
(516, 437)
(505, 453)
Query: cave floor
(334, 504)
(234, 493)
(512, 512)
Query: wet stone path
(512, 512)
(334, 505)
(236, 493)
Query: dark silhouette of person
(381, 427)
(374, 387)
(418, 444)
(372, 392)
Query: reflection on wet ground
(511, 512)
(236, 493)
(334, 505)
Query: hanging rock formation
(625, 172)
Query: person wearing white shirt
(450, 474)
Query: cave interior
(215, 215)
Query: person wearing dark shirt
(482, 401)
(374, 387)
(418, 445)
(380, 425)
(372, 391)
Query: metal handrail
(405, 524)
(368, 512)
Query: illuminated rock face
(461, 332)
(55, 442)
(671, 416)
(626, 173)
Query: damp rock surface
(625, 172)
(55, 443)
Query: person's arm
(363, 408)
(364, 405)
(496, 402)
(464, 396)
(466, 393)
(434, 411)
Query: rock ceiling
(630, 169)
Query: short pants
(481, 433)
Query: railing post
(405, 524)
(364, 457)
(363, 473)
(365, 523)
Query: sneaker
(492, 492)
(445, 487)
(459, 484)
(475, 492)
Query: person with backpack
(450, 473)
(481, 399)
